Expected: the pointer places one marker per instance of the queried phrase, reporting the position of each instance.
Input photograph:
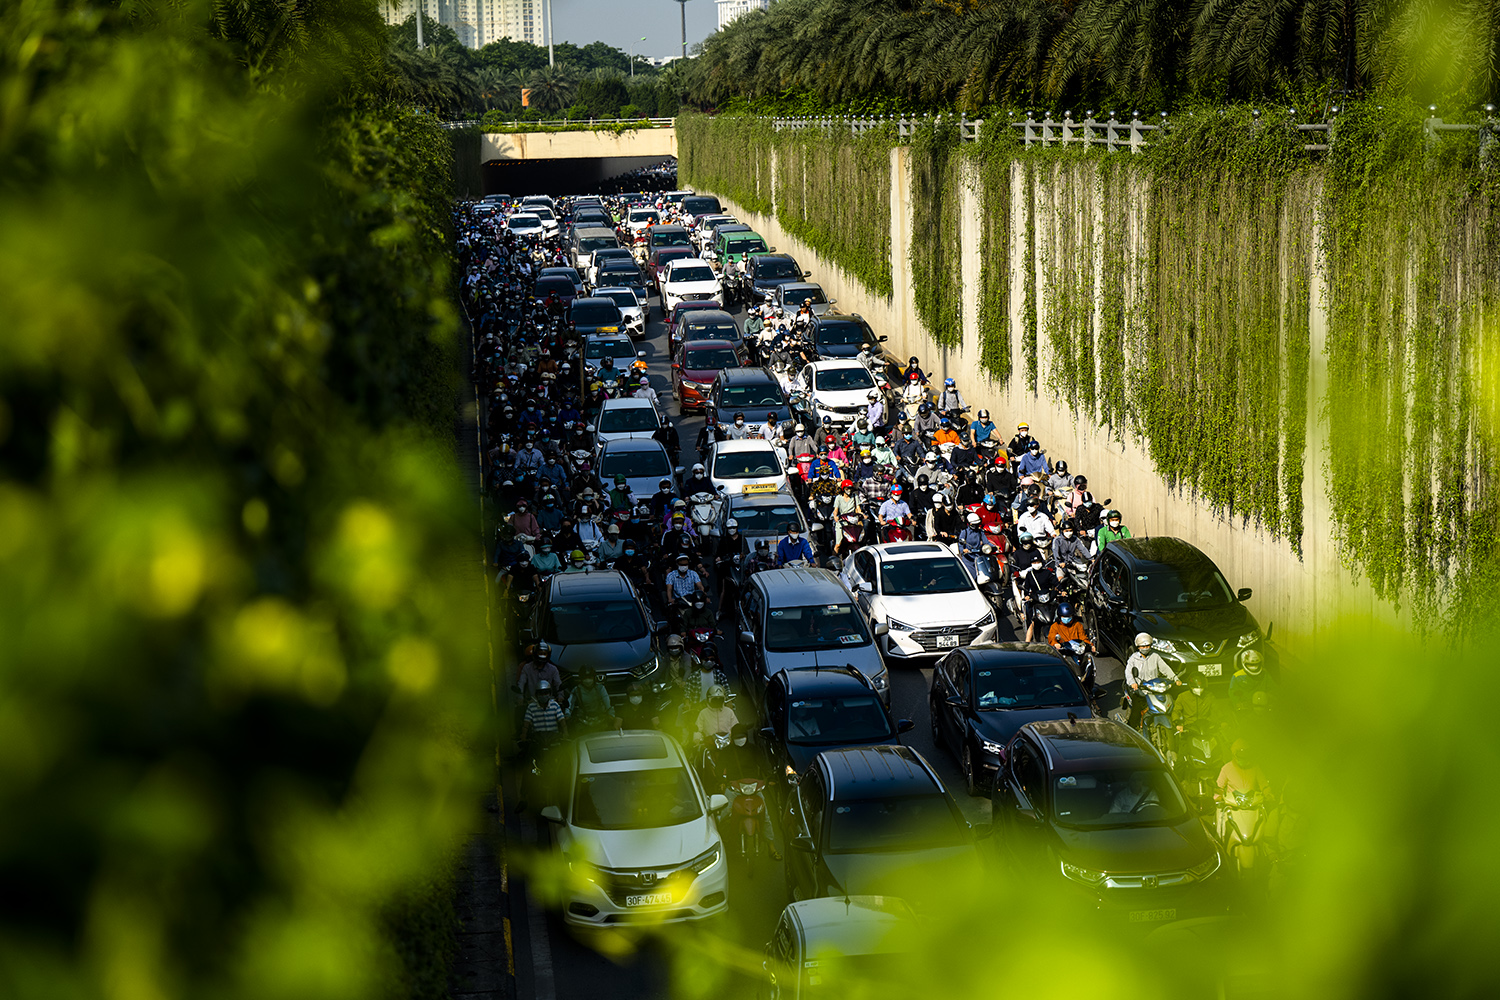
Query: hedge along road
(555, 961)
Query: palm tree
(552, 87)
(1134, 47)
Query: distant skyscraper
(477, 22)
(731, 9)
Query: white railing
(567, 125)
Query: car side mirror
(552, 814)
(767, 732)
(905, 725)
(1243, 594)
(748, 638)
(866, 587)
(882, 339)
(717, 803)
(803, 844)
(954, 703)
(807, 274)
(678, 470)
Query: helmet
(1144, 639)
(925, 409)
(984, 414)
(1024, 538)
(1060, 466)
(948, 383)
(697, 467)
(880, 440)
(716, 691)
(912, 377)
(674, 642)
(770, 418)
(845, 484)
(543, 650)
(732, 523)
(873, 394)
(989, 499)
(895, 491)
(1251, 659)
(738, 417)
(1065, 610)
(576, 555)
(945, 422)
(544, 686)
(973, 518)
(801, 429)
(931, 456)
(1081, 482)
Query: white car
(750, 465)
(926, 596)
(690, 279)
(550, 225)
(703, 231)
(526, 224)
(639, 833)
(624, 418)
(632, 309)
(642, 219)
(833, 392)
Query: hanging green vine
(936, 265)
(994, 157)
(729, 155)
(1028, 307)
(1114, 293)
(1412, 249)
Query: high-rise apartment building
(477, 22)
(731, 9)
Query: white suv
(690, 279)
(924, 593)
(639, 833)
(832, 392)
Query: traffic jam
(781, 609)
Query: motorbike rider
(846, 505)
(697, 617)
(711, 432)
(577, 562)
(551, 516)
(589, 706)
(738, 431)
(1144, 664)
(1196, 710)
(1021, 443)
(945, 434)
(1060, 481)
(681, 582)
(801, 443)
(971, 540)
(1112, 530)
(1241, 773)
(914, 371)
(981, 431)
(944, 522)
(863, 436)
(935, 468)
(1068, 549)
(1250, 679)
(682, 666)
(895, 507)
(926, 424)
(698, 482)
(950, 400)
(761, 559)
(793, 546)
(742, 762)
(882, 454)
(1036, 521)
(698, 682)
(1034, 463)
(908, 448)
(634, 713)
(875, 411)
(546, 561)
(716, 716)
(1067, 628)
(613, 546)
(537, 667)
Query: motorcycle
(1241, 820)
(704, 508)
(1081, 659)
(1156, 718)
(748, 805)
(1198, 766)
(989, 572)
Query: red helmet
(830, 439)
(912, 376)
(844, 484)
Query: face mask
(1198, 690)
(716, 704)
(1067, 619)
(630, 552)
(587, 682)
(635, 699)
(740, 742)
(1067, 534)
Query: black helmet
(739, 416)
(1060, 466)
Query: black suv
(838, 335)
(828, 708)
(875, 820)
(751, 391)
(768, 271)
(982, 694)
(1167, 587)
(1091, 804)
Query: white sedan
(924, 594)
(750, 465)
(525, 224)
(638, 833)
(688, 280)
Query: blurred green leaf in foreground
(241, 675)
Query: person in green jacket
(1111, 530)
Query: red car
(696, 366)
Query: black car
(762, 516)
(1167, 587)
(768, 271)
(828, 708)
(598, 618)
(1089, 804)
(621, 273)
(980, 696)
(877, 821)
(838, 335)
(594, 315)
(751, 391)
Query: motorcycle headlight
(1080, 874)
(882, 680)
(704, 861)
(1164, 645)
(1205, 868)
(900, 626)
(1249, 638)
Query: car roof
(746, 376)
(672, 228)
(762, 258)
(699, 345)
(689, 260)
(625, 403)
(832, 363)
(595, 231)
(909, 550)
(792, 286)
(628, 750)
(621, 289)
(845, 925)
(816, 681)
(740, 501)
(1012, 654)
(712, 314)
(584, 300)
(562, 269)
(877, 772)
(838, 317)
(1162, 550)
(605, 338)
(633, 444)
(744, 444)
(799, 586)
(594, 583)
(1088, 743)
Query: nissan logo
(1150, 881)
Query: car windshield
(841, 333)
(942, 575)
(747, 464)
(1127, 797)
(603, 257)
(611, 348)
(671, 238)
(624, 298)
(1182, 588)
(756, 395)
(792, 295)
(836, 379)
(635, 800)
(635, 465)
(644, 215)
(591, 244)
(620, 273)
(710, 330)
(776, 267)
(595, 314)
(765, 519)
(692, 272)
(897, 823)
(755, 245)
(1042, 685)
(552, 283)
(616, 420)
(830, 721)
(541, 212)
(821, 626)
(604, 620)
(700, 205)
(712, 358)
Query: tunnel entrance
(558, 176)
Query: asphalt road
(552, 961)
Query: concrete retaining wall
(1296, 593)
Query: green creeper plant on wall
(993, 156)
(937, 274)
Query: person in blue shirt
(895, 508)
(981, 429)
(1034, 463)
(793, 546)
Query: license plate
(760, 488)
(947, 641)
(658, 899)
(1211, 669)
(1151, 916)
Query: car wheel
(971, 784)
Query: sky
(622, 22)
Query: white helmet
(1143, 639)
(973, 518)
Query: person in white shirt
(1144, 664)
(1036, 521)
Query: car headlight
(990, 746)
(1250, 638)
(1080, 874)
(1164, 645)
(704, 861)
(899, 626)
(1204, 869)
(644, 668)
(882, 680)
(988, 619)
(585, 870)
